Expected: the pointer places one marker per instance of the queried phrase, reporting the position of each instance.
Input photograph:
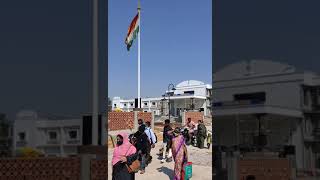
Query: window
(115, 105)
(305, 97)
(52, 135)
(131, 104)
(145, 104)
(153, 103)
(73, 134)
(125, 104)
(22, 136)
(188, 92)
(258, 96)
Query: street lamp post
(192, 106)
(170, 85)
(162, 102)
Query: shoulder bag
(134, 166)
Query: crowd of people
(197, 133)
(138, 146)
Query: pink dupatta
(125, 149)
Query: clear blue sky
(176, 45)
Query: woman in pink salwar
(124, 153)
(180, 155)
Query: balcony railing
(74, 141)
(311, 108)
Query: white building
(187, 95)
(286, 100)
(54, 136)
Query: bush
(28, 152)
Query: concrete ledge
(90, 149)
(114, 133)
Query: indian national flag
(132, 31)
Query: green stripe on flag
(136, 31)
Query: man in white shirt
(152, 140)
(150, 134)
(191, 126)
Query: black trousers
(148, 156)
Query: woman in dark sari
(124, 153)
(180, 154)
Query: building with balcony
(52, 135)
(188, 95)
(270, 99)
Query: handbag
(134, 166)
(187, 170)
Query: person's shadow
(167, 171)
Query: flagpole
(139, 101)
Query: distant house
(188, 95)
(283, 101)
(54, 135)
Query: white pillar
(183, 117)
(205, 108)
(297, 140)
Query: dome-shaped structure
(252, 68)
(190, 83)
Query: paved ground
(201, 159)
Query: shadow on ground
(167, 171)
